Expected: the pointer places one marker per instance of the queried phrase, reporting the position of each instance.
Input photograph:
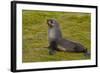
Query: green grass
(74, 26)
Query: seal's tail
(87, 53)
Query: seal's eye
(51, 21)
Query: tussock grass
(74, 26)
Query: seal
(58, 43)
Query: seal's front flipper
(52, 52)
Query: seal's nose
(49, 22)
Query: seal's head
(51, 22)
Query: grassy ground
(74, 26)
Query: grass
(74, 26)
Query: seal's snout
(50, 22)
